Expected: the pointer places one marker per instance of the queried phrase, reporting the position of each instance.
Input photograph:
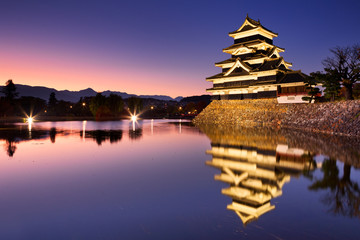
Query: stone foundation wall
(341, 118)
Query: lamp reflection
(135, 131)
(29, 120)
(83, 129)
(152, 126)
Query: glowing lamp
(133, 118)
(30, 120)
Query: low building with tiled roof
(256, 69)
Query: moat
(160, 179)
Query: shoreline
(63, 119)
(335, 118)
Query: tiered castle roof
(253, 56)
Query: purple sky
(157, 47)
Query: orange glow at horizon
(61, 71)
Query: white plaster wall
(291, 99)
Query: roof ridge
(276, 60)
(273, 59)
(295, 71)
(244, 63)
(225, 60)
(247, 43)
(272, 50)
(252, 20)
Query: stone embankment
(340, 118)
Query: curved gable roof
(250, 24)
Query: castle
(256, 69)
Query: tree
(115, 104)
(64, 108)
(344, 195)
(190, 107)
(31, 105)
(10, 147)
(200, 106)
(135, 105)
(356, 90)
(329, 82)
(310, 83)
(52, 100)
(6, 108)
(96, 102)
(52, 134)
(102, 135)
(332, 86)
(52, 103)
(344, 67)
(10, 90)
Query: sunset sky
(157, 47)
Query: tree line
(98, 107)
(340, 76)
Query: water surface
(156, 179)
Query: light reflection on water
(257, 165)
(152, 179)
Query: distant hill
(74, 96)
(202, 98)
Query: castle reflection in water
(256, 175)
(256, 163)
(152, 174)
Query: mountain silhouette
(74, 96)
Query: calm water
(170, 180)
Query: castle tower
(256, 69)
